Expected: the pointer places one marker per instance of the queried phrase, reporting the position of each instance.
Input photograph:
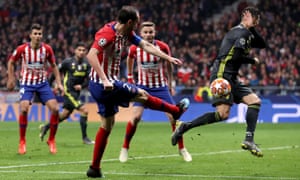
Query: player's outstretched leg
(177, 134)
(252, 147)
(183, 106)
(43, 130)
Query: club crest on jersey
(102, 42)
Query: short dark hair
(80, 43)
(126, 13)
(36, 26)
(253, 10)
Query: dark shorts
(238, 91)
(108, 101)
(43, 91)
(71, 100)
(161, 92)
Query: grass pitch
(215, 149)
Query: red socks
(158, 104)
(22, 126)
(100, 144)
(130, 130)
(54, 119)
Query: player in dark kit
(76, 70)
(233, 53)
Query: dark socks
(207, 118)
(83, 125)
(251, 119)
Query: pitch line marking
(145, 157)
(158, 175)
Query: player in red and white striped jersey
(35, 56)
(105, 87)
(155, 76)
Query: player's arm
(130, 65)
(86, 79)
(238, 55)
(11, 82)
(150, 48)
(52, 76)
(258, 41)
(170, 69)
(57, 77)
(92, 57)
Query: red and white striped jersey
(111, 45)
(34, 62)
(151, 71)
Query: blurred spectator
(187, 26)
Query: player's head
(147, 31)
(251, 15)
(36, 33)
(129, 17)
(80, 50)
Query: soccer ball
(220, 87)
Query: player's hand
(175, 61)
(256, 61)
(108, 86)
(130, 79)
(11, 83)
(77, 87)
(61, 90)
(172, 91)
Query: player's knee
(136, 120)
(142, 95)
(24, 110)
(223, 115)
(54, 110)
(223, 111)
(85, 112)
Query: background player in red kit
(105, 87)
(34, 56)
(155, 76)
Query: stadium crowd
(187, 26)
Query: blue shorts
(161, 92)
(108, 101)
(43, 91)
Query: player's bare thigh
(52, 105)
(251, 99)
(141, 97)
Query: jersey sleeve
(132, 51)
(64, 65)
(102, 40)
(134, 39)
(164, 47)
(16, 55)
(240, 43)
(50, 55)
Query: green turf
(215, 149)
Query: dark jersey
(235, 49)
(75, 73)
